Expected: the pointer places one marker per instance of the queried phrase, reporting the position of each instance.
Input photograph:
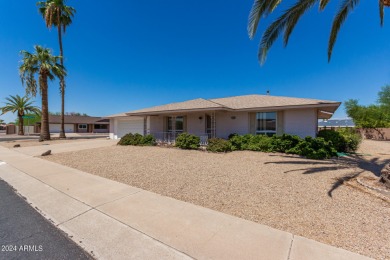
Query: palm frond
(19, 104)
(323, 4)
(259, 8)
(346, 7)
(381, 12)
(286, 22)
(294, 14)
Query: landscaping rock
(385, 175)
(16, 145)
(46, 153)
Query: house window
(175, 124)
(100, 126)
(266, 123)
(82, 126)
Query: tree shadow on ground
(357, 162)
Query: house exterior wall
(118, 126)
(113, 128)
(226, 125)
(55, 128)
(155, 124)
(301, 122)
(195, 125)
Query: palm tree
(20, 105)
(43, 63)
(57, 14)
(286, 22)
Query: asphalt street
(25, 234)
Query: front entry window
(266, 123)
(175, 124)
(82, 126)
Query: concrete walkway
(116, 221)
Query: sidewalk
(117, 221)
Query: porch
(166, 128)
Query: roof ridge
(218, 103)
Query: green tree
(285, 23)
(21, 106)
(57, 14)
(384, 96)
(368, 117)
(46, 66)
(34, 118)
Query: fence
(27, 129)
(376, 134)
(170, 137)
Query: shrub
(282, 143)
(218, 145)
(187, 141)
(232, 135)
(335, 137)
(343, 140)
(352, 138)
(314, 148)
(137, 139)
(260, 143)
(148, 140)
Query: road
(25, 234)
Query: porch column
(213, 125)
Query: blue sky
(125, 55)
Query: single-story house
(78, 124)
(220, 117)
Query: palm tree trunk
(21, 130)
(45, 134)
(62, 85)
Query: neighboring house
(255, 114)
(78, 124)
(336, 123)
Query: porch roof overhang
(178, 111)
(325, 111)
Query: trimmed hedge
(313, 148)
(343, 140)
(137, 139)
(187, 141)
(218, 145)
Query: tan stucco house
(77, 124)
(220, 117)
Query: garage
(134, 126)
(55, 128)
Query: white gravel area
(304, 197)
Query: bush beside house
(187, 141)
(218, 145)
(326, 145)
(343, 140)
(137, 139)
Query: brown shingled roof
(54, 119)
(195, 104)
(247, 102)
(264, 101)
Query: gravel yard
(310, 198)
